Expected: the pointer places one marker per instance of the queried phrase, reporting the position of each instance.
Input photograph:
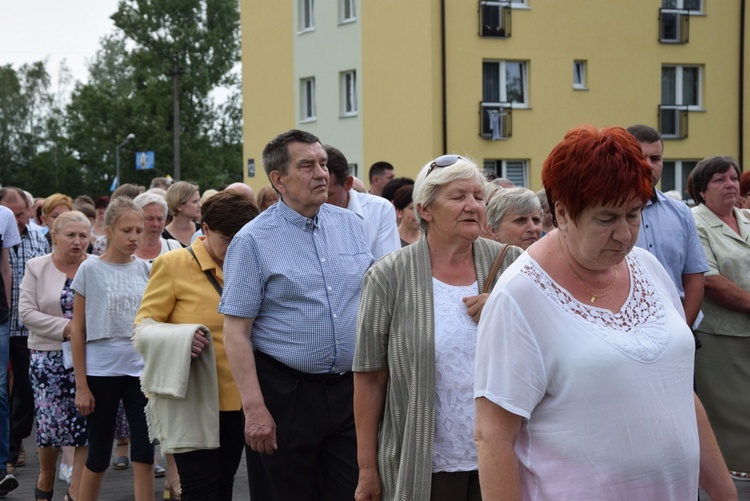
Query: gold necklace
(594, 296)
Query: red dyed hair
(745, 184)
(596, 167)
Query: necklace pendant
(593, 298)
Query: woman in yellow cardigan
(184, 288)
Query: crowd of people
(444, 338)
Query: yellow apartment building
(498, 81)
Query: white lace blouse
(606, 397)
(455, 341)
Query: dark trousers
(208, 475)
(317, 447)
(455, 486)
(21, 397)
(107, 392)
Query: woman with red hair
(584, 365)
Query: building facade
(497, 81)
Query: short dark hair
(83, 199)
(392, 186)
(403, 197)
(276, 153)
(227, 212)
(102, 201)
(703, 172)
(338, 165)
(4, 193)
(378, 169)
(129, 190)
(644, 133)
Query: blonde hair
(56, 200)
(179, 193)
(116, 209)
(72, 216)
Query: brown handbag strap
(495, 268)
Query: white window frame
(348, 93)
(580, 74)
(502, 66)
(306, 16)
(308, 110)
(679, 83)
(503, 170)
(680, 8)
(678, 171)
(354, 170)
(351, 7)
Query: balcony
(494, 19)
(673, 121)
(495, 120)
(674, 26)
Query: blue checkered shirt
(300, 279)
(33, 244)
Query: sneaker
(65, 473)
(159, 471)
(8, 483)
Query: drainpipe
(741, 127)
(444, 90)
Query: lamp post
(130, 137)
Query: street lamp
(130, 137)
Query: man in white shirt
(380, 173)
(377, 214)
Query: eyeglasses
(443, 161)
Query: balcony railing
(673, 121)
(494, 19)
(674, 26)
(495, 120)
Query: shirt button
(335, 316)
(330, 288)
(322, 260)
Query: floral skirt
(58, 423)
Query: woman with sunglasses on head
(414, 357)
(584, 370)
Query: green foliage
(45, 147)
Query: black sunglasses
(443, 161)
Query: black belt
(325, 377)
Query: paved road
(118, 485)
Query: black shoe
(8, 483)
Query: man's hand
(260, 430)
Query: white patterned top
(455, 342)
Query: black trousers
(316, 458)
(208, 475)
(22, 396)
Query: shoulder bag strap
(209, 275)
(495, 268)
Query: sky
(33, 30)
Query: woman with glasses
(414, 357)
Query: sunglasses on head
(443, 161)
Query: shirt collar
(354, 204)
(296, 218)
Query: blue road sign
(144, 160)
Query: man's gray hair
(521, 201)
(276, 153)
(426, 186)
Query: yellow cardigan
(179, 292)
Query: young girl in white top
(108, 293)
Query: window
(306, 15)
(347, 13)
(494, 19)
(680, 94)
(307, 99)
(348, 93)
(674, 176)
(354, 170)
(691, 5)
(505, 82)
(514, 170)
(579, 75)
